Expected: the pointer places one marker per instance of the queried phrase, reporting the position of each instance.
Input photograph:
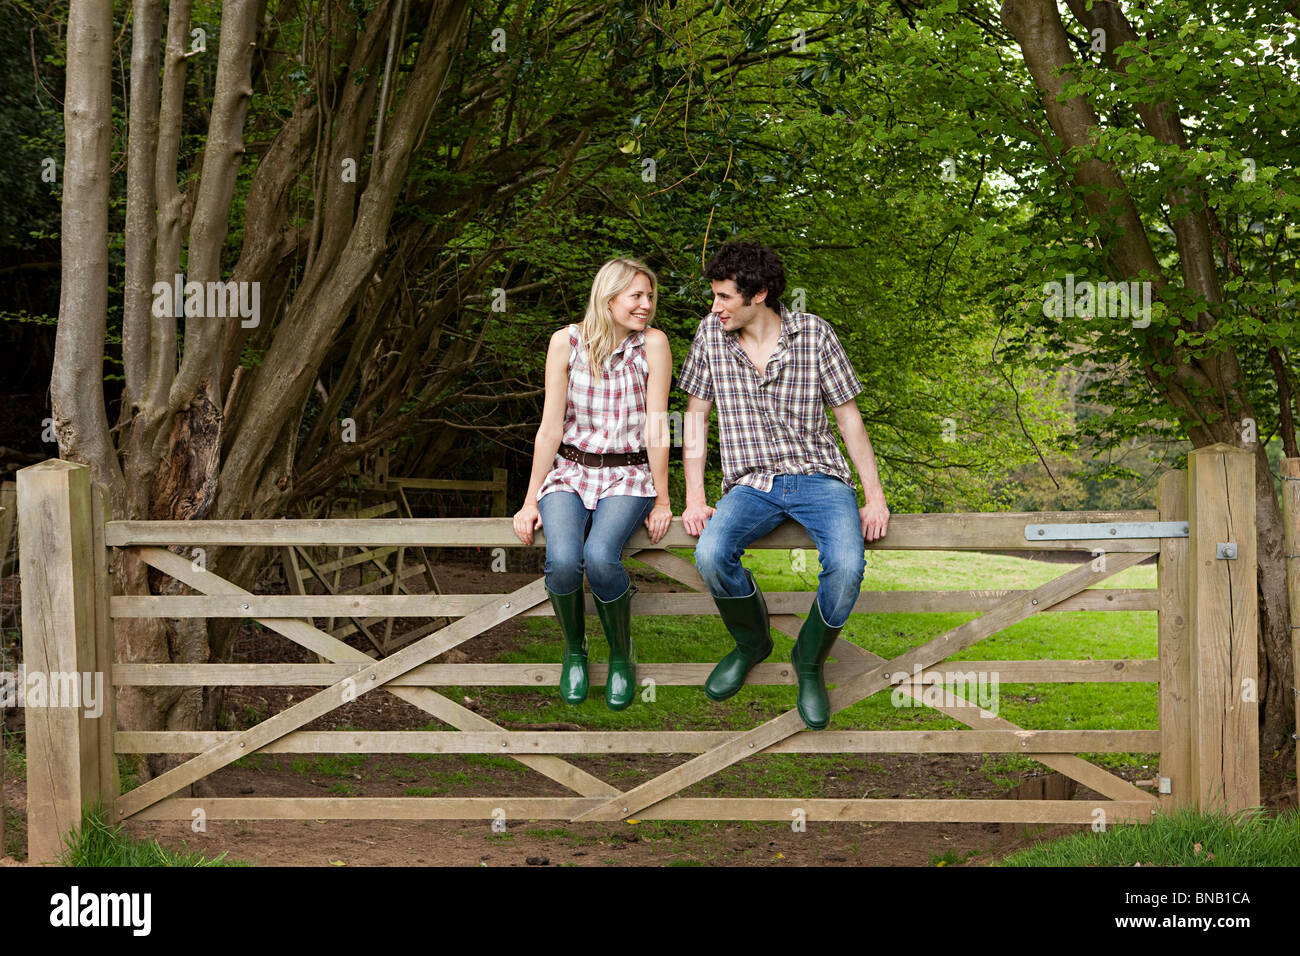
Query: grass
(1182, 838)
(129, 768)
(14, 822)
(15, 759)
(951, 857)
(329, 765)
(96, 843)
(257, 762)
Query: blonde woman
(596, 478)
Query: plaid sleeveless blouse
(604, 415)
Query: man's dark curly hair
(752, 266)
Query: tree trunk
(76, 385)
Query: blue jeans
(570, 548)
(825, 506)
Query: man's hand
(875, 520)
(695, 517)
(657, 522)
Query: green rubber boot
(811, 649)
(573, 624)
(616, 618)
(747, 620)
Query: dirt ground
(524, 843)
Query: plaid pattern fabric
(604, 415)
(775, 422)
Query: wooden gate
(1203, 533)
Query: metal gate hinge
(1165, 785)
(1226, 550)
(1097, 530)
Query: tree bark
(141, 200)
(77, 382)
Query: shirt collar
(636, 338)
(788, 325)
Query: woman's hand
(657, 522)
(527, 520)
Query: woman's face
(633, 307)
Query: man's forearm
(860, 452)
(864, 460)
(695, 448)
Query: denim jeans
(570, 548)
(825, 506)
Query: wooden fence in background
(1202, 532)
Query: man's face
(730, 307)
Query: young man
(772, 373)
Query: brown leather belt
(607, 460)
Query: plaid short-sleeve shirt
(773, 422)
(606, 414)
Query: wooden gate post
(63, 637)
(1291, 547)
(1174, 704)
(1224, 628)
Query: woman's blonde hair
(597, 329)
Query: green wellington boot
(573, 624)
(810, 651)
(616, 618)
(746, 618)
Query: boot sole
(808, 724)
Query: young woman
(596, 477)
